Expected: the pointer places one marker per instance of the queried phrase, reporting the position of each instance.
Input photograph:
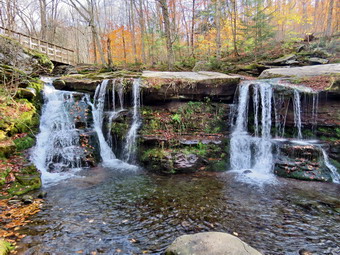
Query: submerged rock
(216, 243)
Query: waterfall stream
(98, 115)
(130, 144)
(254, 155)
(58, 144)
(59, 150)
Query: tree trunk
(234, 26)
(193, 29)
(218, 30)
(142, 29)
(170, 54)
(132, 16)
(328, 31)
(43, 19)
(109, 54)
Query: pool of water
(105, 211)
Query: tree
(328, 31)
(218, 29)
(258, 30)
(166, 20)
(89, 16)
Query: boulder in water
(216, 243)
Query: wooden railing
(54, 52)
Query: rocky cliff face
(185, 120)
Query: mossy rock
(44, 64)
(27, 180)
(24, 143)
(7, 148)
(5, 247)
(321, 175)
(3, 176)
(27, 93)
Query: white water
(255, 153)
(247, 152)
(334, 171)
(98, 115)
(297, 112)
(58, 147)
(131, 137)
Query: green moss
(43, 60)
(24, 143)
(3, 176)
(27, 180)
(5, 247)
(220, 166)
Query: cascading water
(130, 143)
(254, 155)
(98, 115)
(297, 112)
(334, 173)
(247, 152)
(114, 113)
(58, 144)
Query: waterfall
(255, 154)
(297, 112)
(315, 111)
(98, 115)
(256, 110)
(130, 143)
(334, 172)
(240, 157)
(121, 94)
(249, 152)
(58, 145)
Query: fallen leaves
(15, 215)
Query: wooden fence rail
(54, 52)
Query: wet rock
(188, 85)
(186, 162)
(27, 93)
(42, 194)
(247, 172)
(315, 70)
(216, 243)
(318, 61)
(303, 162)
(305, 252)
(27, 199)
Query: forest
(173, 34)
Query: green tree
(256, 26)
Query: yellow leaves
(12, 217)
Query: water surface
(106, 211)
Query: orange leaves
(12, 216)
(122, 45)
